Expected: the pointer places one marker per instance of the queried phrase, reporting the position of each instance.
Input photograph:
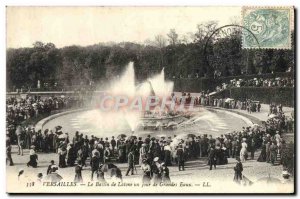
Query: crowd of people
(154, 155)
(258, 82)
(277, 119)
(263, 82)
(20, 109)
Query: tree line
(195, 55)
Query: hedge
(288, 157)
(284, 95)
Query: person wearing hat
(140, 142)
(102, 141)
(167, 154)
(106, 142)
(92, 140)
(51, 141)
(49, 167)
(147, 140)
(33, 157)
(86, 139)
(165, 174)
(156, 171)
(238, 147)
(71, 155)
(204, 145)
(146, 172)
(113, 144)
(95, 162)
(157, 152)
(162, 144)
(106, 154)
(273, 153)
(180, 157)
(122, 151)
(62, 153)
(78, 174)
(44, 139)
(152, 147)
(238, 169)
(85, 153)
(143, 153)
(212, 159)
(130, 163)
(244, 152)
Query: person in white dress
(243, 152)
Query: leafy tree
(173, 37)
(193, 54)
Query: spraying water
(160, 86)
(126, 86)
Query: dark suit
(95, 162)
(238, 172)
(113, 146)
(130, 163)
(181, 158)
(212, 158)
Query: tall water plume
(127, 87)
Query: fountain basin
(166, 122)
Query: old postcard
(150, 100)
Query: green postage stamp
(267, 27)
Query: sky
(65, 26)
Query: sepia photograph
(150, 99)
